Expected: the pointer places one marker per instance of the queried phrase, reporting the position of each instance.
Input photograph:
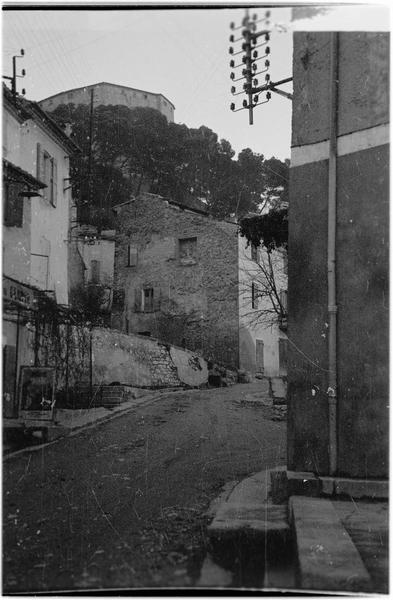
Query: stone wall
(195, 289)
(143, 362)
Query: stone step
(327, 557)
(248, 524)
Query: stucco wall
(361, 261)
(106, 94)
(48, 224)
(363, 84)
(255, 324)
(104, 252)
(198, 302)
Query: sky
(183, 54)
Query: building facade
(91, 265)
(176, 277)
(338, 214)
(110, 93)
(36, 207)
(262, 310)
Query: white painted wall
(49, 225)
(104, 252)
(251, 328)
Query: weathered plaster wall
(361, 261)
(254, 323)
(106, 94)
(363, 84)
(48, 224)
(197, 303)
(16, 240)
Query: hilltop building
(111, 94)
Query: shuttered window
(13, 204)
(47, 173)
(95, 271)
(132, 256)
(254, 295)
(147, 299)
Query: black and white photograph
(195, 308)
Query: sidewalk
(304, 543)
(69, 421)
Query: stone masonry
(176, 277)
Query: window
(13, 205)
(254, 253)
(284, 300)
(259, 356)
(95, 271)
(283, 356)
(132, 256)
(47, 173)
(118, 300)
(188, 251)
(148, 300)
(254, 295)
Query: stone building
(338, 391)
(176, 277)
(110, 93)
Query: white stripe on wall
(346, 144)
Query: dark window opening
(188, 250)
(148, 299)
(13, 205)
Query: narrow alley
(122, 504)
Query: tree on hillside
(137, 149)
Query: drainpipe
(331, 258)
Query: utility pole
(14, 75)
(90, 164)
(251, 40)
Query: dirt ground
(122, 505)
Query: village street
(123, 504)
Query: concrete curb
(328, 560)
(80, 428)
(246, 531)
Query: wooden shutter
(54, 183)
(132, 256)
(40, 163)
(259, 356)
(283, 355)
(138, 300)
(9, 375)
(95, 271)
(254, 295)
(13, 205)
(156, 298)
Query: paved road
(122, 505)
